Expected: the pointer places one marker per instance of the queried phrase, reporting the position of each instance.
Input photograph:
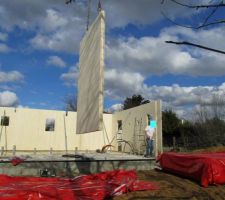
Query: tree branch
(69, 1)
(199, 6)
(196, 45)
(185, 26)
(210, 15)
(222, 21)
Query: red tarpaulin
(206, 168)
(16, 160)
(97, 186)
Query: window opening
(119, 131)
(4, 121)
(50, 124)
(120, 124)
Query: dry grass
(174, 188)
(210, 150)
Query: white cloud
(141, 12)
(3, 37)
(119, 85)
(53, 20)
(115, 107)
(12, 76)
(60, 27)
(60, 32)
(139, 58)
(209, 37)
(71, 76)
(26, 14)
(8, 99)
(57, 26)
(151, 55)
(66, 40)
(56, 61)
(4, 48)
(177, 95)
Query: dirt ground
(173, 188)
(210, 149)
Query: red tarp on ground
(206, 168)
(16, 160)
(97, 186)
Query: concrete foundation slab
(75, 164)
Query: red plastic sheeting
(206, 168)
(16, 161)
(98, 186)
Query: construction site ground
(173, 187)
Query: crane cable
(89, 10)
(88, 14)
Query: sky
(39, 53)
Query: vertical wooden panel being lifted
(91, 79)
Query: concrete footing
(74, 164)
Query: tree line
(205, 129)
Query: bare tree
(211, 8)
(69, 1)
(209, 127)
(70, 103)
(213, 109)
(196, 45)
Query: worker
(150, 132)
